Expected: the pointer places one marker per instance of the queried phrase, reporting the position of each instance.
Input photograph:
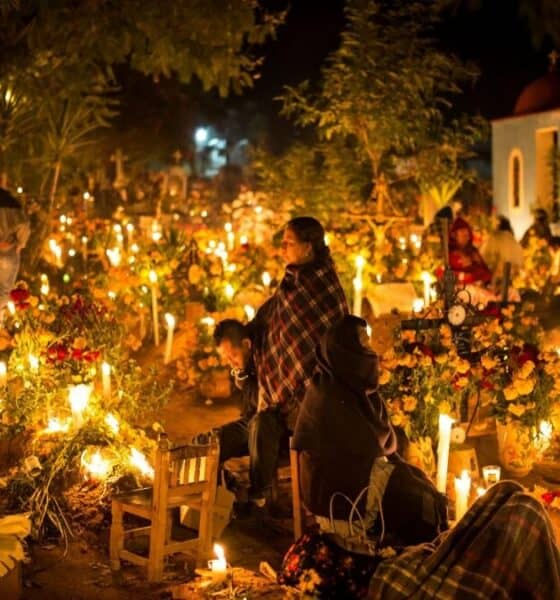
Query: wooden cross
(118, 158)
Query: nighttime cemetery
(279, 299)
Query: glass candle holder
(491, 474)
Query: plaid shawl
(308, 301)
(502, 548)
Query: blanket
(308, 301)
(503, 548)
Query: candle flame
(360, 261)
(112, 422)
(266, 279)
(153, 277)
(138, 460)
(105, 368)
(219, 552)
(250, 312)
(55, 425)
(97, 467)
(170, 320)
(3, 369)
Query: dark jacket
(342, 425)
(246, 381)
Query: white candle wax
(462, 492)
(445, 422)
(218, 566)
(358, 285)
(170, 320)
(3, 374)
(106, 378)
(153, 280)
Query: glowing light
(368, 329)
(243, 240)
(228, 227)
(55, 425)
(204, 214)
(327, 239)
(114, 256)
(86, 196)
(62, 218)
(97, 467)
(3, 374)
(250, 312)
(72, 252)
(19, 189)
(78, 396)
(229, 291)
(153, 277)
(11, 307)
(138, 460)
(112, 423)
(417, 305)
(360, 261)
(33, 363)
(201, 135)
(266, 279)
(134, 248)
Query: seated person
(501, 247)
(256, 433)
(464, 258)
(347, 450)
(504, 547)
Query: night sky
(493, 37)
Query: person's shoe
(241, 511)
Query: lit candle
(218, 566)
(84, 248)
(229, 291)
(106, 377)
(153, 281)
(491, 474)
(78, 396)
(230, 236)
(3, 374)
(480, 491)
(417, 305)
(462, 492)
(142, 321)
(170, 320)
(427, 280)
(266, 279)
(358, 285)
(445, 423)
(33, 363)
(249, 311)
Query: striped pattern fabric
(503, 548)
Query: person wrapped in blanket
(308, 300)
(347, 455)
(502, 548)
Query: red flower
(19, 295)
(548, 497)
(77, 353)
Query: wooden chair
(183, 476)
(299, 511)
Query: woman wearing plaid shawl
(307, 302)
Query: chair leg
(116, 542)
(157, 543)
(296, 497)
(204, 534)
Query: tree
(385, 96)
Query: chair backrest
(188, 470)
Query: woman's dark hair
(504, 224)
(308, 229)
(231, 329)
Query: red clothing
(466, 261)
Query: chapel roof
(542, 94)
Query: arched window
(516, 179)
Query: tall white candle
(427, 280)
(142, 322)
(153, 281)
(78, 396)
(3, 374)
(170, 320)
(462, 493)
(358, 285)
(445, 423)
(267, 280)
(230, 236)
(106, 378)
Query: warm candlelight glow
(33, 363)
(3, 373)
(153, 277)
(491, 474)
(229, 291)
(218, 566)
(78, 396)
(266, 279)
(250, 312)
(170, 320)
(114, 256)
(462, 492)
(417, 305)
(138, 460)
(97, 467)
(11, 307)
(55, 425)
(480, 491)
(112, 423)
(445, 423)
(106, 379)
